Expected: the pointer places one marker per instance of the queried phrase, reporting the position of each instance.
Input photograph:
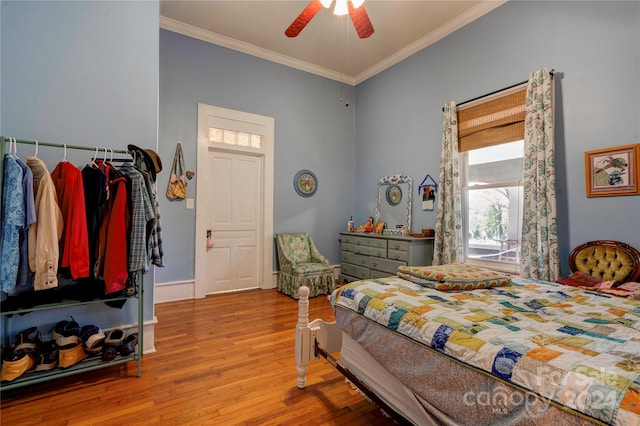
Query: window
(491, 146)
(233, 137)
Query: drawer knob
(375, 264)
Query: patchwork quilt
(568, 346)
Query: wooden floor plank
(224, 360)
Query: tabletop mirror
(393, 204)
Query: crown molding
(429, 39)
(251, 49)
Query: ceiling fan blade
(360, 21)
(303, 19)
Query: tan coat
(45, 234)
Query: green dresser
(365, 256)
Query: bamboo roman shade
(492, 122)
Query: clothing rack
(86, 365)
(552, 72)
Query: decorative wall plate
(394, 195)
(305, 183)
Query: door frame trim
(266, 240)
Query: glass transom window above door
(234, 137)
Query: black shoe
(28, 340)
(66, 333)
(47, 356)
(110, 353)
(93, 339)
(129, 344)
(114, 337)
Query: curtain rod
(552, 72)
(60, 145)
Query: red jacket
(74, 244)
(112, 245)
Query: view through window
(492, 203)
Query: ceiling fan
(355, 9)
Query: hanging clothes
(94, 181)
(44, 237)
(112, 253)
(13, 220)
(155, 254)
(141, 215)
(74, 245)
(23, 283)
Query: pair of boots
(29, 353)
(77, 343)
(117, 342)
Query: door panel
(233, 262)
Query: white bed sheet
(387, 387)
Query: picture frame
(613, 171)
(305, 183)
(379, 227)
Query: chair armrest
(317, 256)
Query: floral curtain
(540, 255)
(448, 238)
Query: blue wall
(81, 73)
(313, 130)
(595, 47)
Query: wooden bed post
(303, 337)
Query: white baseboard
(173, 291)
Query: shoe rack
(90, 363)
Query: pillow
(579, 279)
(454, 276)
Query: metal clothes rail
(4, 140)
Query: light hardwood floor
(223, 360)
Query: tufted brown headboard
(606, 260)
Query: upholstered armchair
(606, 260)
(302, 264)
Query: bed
(528, 352)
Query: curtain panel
(447, 247)
(540, 255)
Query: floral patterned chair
(302, 264)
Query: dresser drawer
(365, 241)
(398, 255)
(386, 265)
(356, 259)
(355, 271)
(370, 251)
(345, 246)
(398, 245)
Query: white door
(233, 261)
(234, 204)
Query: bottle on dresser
(351, 224)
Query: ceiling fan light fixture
(356, 3)
(326, 3)
(341, 8)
